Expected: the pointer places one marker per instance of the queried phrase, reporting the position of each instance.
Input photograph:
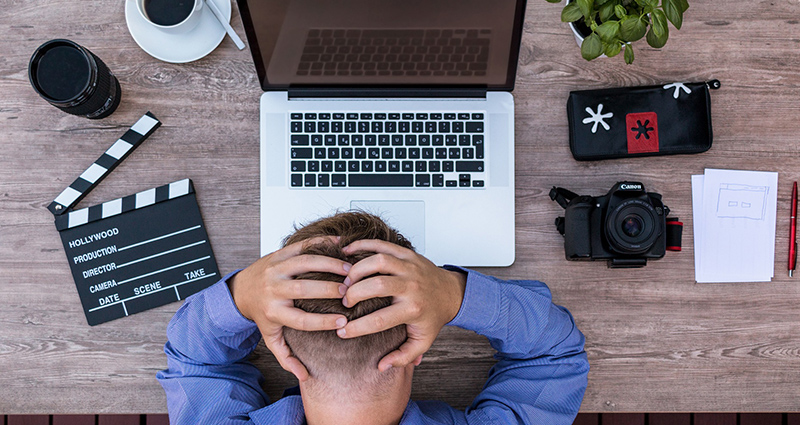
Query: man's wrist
(459, 286)
(235, 286)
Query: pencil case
(629, 122)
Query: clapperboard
(138, 252)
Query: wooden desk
(656, 340)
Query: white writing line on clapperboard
(160, 254)
(153, 292)
(160, 237)
(94, 237)
(163, 270)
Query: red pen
(793, 232)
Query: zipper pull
(713, 84)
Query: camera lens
(632, 225)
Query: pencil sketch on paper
(742, 201)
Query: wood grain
(657, 342)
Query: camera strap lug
(562, 196)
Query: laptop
(401, 108)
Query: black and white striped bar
(112, 157)
(122, 205)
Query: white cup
(182, 27)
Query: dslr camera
(625, 227)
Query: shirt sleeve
(208, 380)
(541, 373)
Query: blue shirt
(539, 378)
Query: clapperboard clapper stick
(138, 252)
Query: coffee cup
(172, 16)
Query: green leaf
(592, 47)
(571, 13)
(586, 7)
(673, 12)
(656, 41)
(632, 29)
(659, 26)
(554, 1)
(606, 11)
(601, 2)
(628, 54)
(608, 31)
(683, 5)
(620, 11)
(612, 49)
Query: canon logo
(630, 187)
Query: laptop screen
(384, 43)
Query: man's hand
(425, 297)
(265, 293)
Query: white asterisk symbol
(678, 87)
(597, 118)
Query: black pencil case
(640, 121)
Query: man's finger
(381, 263)
(405, 355)
(309, 289)
(373, 287)
(379, 246)
(302, 321)
(377, 321)
(305, 263)
(298, 247)
(282, 352)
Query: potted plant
(609, 26)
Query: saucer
(178, 48)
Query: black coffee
(168, 12)
(63, 72)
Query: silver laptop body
(395, 108)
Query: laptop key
(327, 166)
(427, 153)
(408, 166)
(394, 116)
(411, 140)
(333, 153)
(366, 166)
(347, 153)
(300, 140)
(310, 180)
(463, 116)
(297, 180)
(400, 153)
(414, 153)
(450, 140)
(298, 166)
(477, 183)
(458, 127)
(477, 141)
(338, 116)
(336, 127)
(319, 153)
(417, 127)
(447, 166)
(467, 153)
(463, 180)
(301, 153)
(313, 166)
(349, 126)
(454, 153)
(297, 127)
(374, 153)
(430, 127)
(383, 140)
(310, 116)
(381, 180)
(338, 180)
(380, 166)
(390, 127)
(469, 166)
(438, 180)
(424, 140)
(316, 140)
(341, 166)
(423, 180)
(451, 183)
(421, 166)
(310, 127)
(477, 116)
(352, 166)
(297, 116)
(434, 166)
(344, 140)
(357, 140)
(474, 127)
(397, 140)
(330, 140)
(323, 180)
(352, 116)
(394, 166)
(441, 153)
(361, 153)
(463, 140)
(387, 153)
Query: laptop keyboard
(432, 149)
(396, 52)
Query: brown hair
(329, 359)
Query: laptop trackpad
(407, 217)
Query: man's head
(339, 365)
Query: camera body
(626, 226)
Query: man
(342, 293)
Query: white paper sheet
(734, 225)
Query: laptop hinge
(386, 93)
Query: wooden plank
(74, 419)
(587, 419)
(760, 419)
(157, 420)
(28, 420)
(119, 419)
(622, 418)
(715, 418)
(669, 419)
